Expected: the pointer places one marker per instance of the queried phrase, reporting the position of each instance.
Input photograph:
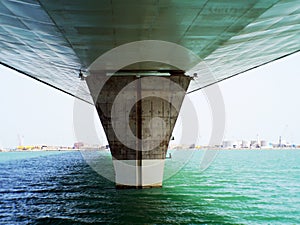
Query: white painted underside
(128, 173)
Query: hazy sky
(261, 102)
(265, 101)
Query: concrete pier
(138, 115)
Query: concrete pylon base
(138, 115)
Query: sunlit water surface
(240, 187)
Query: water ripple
(241, 187)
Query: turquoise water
(240, 187)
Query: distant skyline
(263, 102)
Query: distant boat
(169, 156)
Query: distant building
(245, 144)
(227, 144)
(78, 145)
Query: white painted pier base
(130, 174)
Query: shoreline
(193, 149)
(39, 150)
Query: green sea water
(240, 187)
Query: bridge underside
(51, 41)
(138, 115)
